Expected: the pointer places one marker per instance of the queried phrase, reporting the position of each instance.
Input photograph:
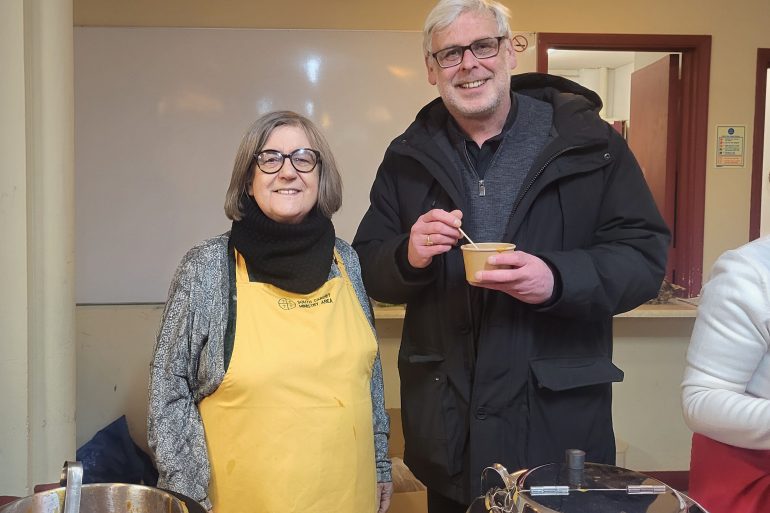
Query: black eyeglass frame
(463, 48)
(289, 156)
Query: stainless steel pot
(107, 498)
(75, 497)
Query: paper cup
(476, 259)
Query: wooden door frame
(755, 211)
(691, 177)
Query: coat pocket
(570, 407)
(431, 420)
(560, 374)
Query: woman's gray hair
(447, 11)
(329, 179)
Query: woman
(266, 385)
(726, 387)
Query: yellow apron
(290, 427)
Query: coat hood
(555, 90)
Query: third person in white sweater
(726, 387)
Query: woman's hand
(384, 493)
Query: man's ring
(428, 242)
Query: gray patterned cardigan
(188, 365)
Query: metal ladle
(72, 480)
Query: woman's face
(288, 195)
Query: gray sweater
(188, 365)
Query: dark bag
(111, 456)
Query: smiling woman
(286, 195)
(288, 336)
(296, 170)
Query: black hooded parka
(536, 379)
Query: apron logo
(286, 304)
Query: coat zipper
(482, 189)
(537, 175)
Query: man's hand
(384, 493)
(434, 233)
(527, 277)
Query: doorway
(759, 214)
(689, 182)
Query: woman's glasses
(304, 160)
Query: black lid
(596, 489)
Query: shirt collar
(457, 134)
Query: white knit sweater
(726, 387)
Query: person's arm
(624, 264)
(382, 241)
(174, 426)
(381, 425)
(729, 342)
(380, 422)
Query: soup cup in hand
(475, 258)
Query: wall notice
(731, 145)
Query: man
(516, 368)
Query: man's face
(475, 88)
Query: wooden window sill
(677, 309)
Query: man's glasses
(481, 49)
(304, 160)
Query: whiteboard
(159, 114)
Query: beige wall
(115, 342)
(305, 14)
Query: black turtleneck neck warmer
(293, 257)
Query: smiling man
(516, 367)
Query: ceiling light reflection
(264, 105)
(312, 67)
(326, 121)
(400, 71)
